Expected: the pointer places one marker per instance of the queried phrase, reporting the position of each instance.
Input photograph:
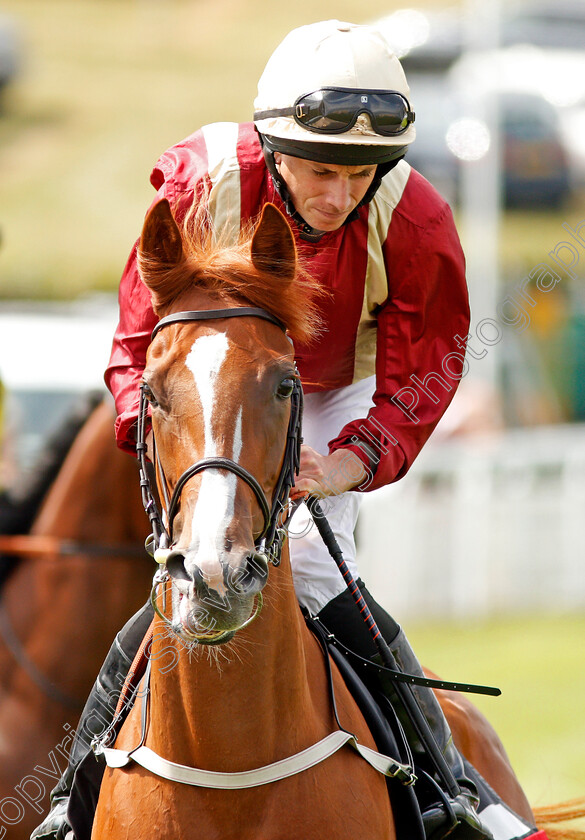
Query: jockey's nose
(338, 194)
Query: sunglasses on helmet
(333, 110)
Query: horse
(237, 691)
(78, 575)
(20, 503)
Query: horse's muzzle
(224, 579)
(214, 597)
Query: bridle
(269, 541)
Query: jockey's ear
(273, 247)
(161, 239)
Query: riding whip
(409, 702)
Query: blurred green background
(537, 662)
(105, 87)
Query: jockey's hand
(327, 475)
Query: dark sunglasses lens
(335, 111)
(390, 113)
(326, 111)
(340, 109)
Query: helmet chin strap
(308, 233)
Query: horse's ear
(161, 239)
(273, 246)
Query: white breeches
(316, 577)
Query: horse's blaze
(209, 597)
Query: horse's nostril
(176, 566)
(252, 577)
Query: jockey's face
(324, 193)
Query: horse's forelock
(226, 270)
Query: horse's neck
(96, 494)
(265, 696)
(95, 501)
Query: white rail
(492, 526)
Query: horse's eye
(148, 394)
(285, 388)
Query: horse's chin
(219, 638)
(196, 624)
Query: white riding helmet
(335, 92)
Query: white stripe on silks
(221, 140)
(380, 212)
(502, 823)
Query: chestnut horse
(80, 574)
(234, 688)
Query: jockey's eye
(148, 394)
(285, 388)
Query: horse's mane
(210, 262)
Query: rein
(50, 549)
(47, 546)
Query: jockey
(333, 121)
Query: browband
(214, 314)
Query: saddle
(409, 801)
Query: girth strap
(282, 769)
